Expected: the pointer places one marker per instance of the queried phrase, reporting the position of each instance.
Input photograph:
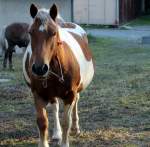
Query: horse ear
(53, 11)
(33, 10)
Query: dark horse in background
(12, 35)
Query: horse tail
(3, 40)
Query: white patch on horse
(3, 40)
(28, 50)
(41, 28)
(86, 67)
(57, 133)
(60, 17)
(77, 30)
(6, 43)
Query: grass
(97, 26)
(141, 21)
(114, 110)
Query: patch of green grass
(97, 26)
(141, 21)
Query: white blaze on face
(41, 28)
(86, 67)
(43, 16)
(28, 51)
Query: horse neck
(59, 47)
(59, 53)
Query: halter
(60, 78)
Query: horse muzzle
(40, 70)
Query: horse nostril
(40, 70)
(34, 69)
(45, 68)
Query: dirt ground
(114, 110)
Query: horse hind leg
(5, 59)
(75, 130)
(67, 121)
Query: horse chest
(50, 88)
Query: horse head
(44, 38)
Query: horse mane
(60, 18)
(42, 13)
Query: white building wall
(96, 11)
(80, 14)
(18, 10)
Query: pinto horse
(12, 35)
(57, 64)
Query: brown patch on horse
(80, 88)
(83, 42)
(43, 125)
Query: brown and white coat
(70, 61)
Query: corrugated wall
(96, 11)
(129, 9)
(18, 10)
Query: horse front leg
(67, 120)
(75, 130)
(42, 122)
(57, 133)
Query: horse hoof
(43, 144)
(4, 68)
(65, 145)
(57, 137)
(12, 68)
(56, 142)
(75, 132)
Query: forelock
(43, 14)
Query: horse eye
(52, 33)
(30, 32)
